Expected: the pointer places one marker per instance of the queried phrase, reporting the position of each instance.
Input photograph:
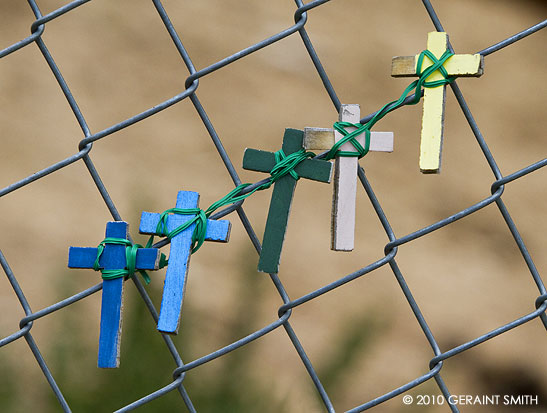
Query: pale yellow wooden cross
(433, 115)
(345, 173)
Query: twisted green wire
(130, 259)
(199, 218)
(285, 164)
(416, 85)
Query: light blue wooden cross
(112, 258)
(179, 255)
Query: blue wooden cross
(112, 258)
(179, 255)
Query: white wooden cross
(433, 115)
(345, 173)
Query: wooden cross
(464, 65)
(345, 173)
(179, 255)
(282, 195)
(112, 258)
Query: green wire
(285, 164)
(130, 258)
(415, 86)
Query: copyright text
(472, 400)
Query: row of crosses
(113, 256)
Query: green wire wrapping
(416, 85)
(199, 218)
(130, 258)
(350, 137)
(285, 164)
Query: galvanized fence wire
(191, 85)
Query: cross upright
(464, 65)
(113, 257)
(282, 195)
(345, 173)
(179, 255)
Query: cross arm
(403, 66)
(84, 257)
(257, 160)
(323, 139)
(218, 231)
(264, 161)
(464, 65)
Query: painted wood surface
(320, 139)
(345, 187)
(84, 257)
(345, 173)
(433, 111)
(464, 65)
(461, 65)
(282, 195)
(112, 258)
(179, 256)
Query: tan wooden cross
(345, 173)
(433, 113)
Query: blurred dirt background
(467, 278)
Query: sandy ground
(468, 278)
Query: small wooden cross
(464, 65)
(282, 195)
(112, 258)
(179, 255)
(345, 173)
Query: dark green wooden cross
(280, 205)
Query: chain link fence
(91, 142)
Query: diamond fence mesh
(466, 279)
